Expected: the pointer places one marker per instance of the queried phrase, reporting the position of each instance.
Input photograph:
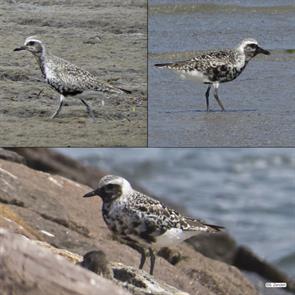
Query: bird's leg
(153, 260)
(143, 258)
(207, 97)
(40, 92)
(89, 110)
(217, 98)
(61, 102)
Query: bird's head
(251, 48)
(111, 187)
(33, 45)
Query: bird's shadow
(211, 111)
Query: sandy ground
(108, 38)
(259, 104)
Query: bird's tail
(215, 228)
(106, 87)
(164, 65)
(124, 90)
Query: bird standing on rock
(66, 78)
(139, 220)
(215, 67)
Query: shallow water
(260, 103)
(249, 191)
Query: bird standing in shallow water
(215, 67)
(66, 78)
(139, 220)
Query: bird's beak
(92, 194)
(20, 48)
(261, 50)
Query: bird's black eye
(109, 186)
(252, 46)
(31, 43)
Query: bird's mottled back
(68, 78)
(155, 211)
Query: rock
(170, 255)
(52, 162)
(220, 246)
(97, 262)
(50, 208)
(135, 280)
(11, 156)
(48, 160)
(245, 259)
(45, 268)
(223, 247)
(139, 282)
(26, 268)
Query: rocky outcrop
(220, 247)
(34, 267)
(52, 162)
(11, 156)
(139, 282)
(224, 248)
(27, 268)
(50, 208)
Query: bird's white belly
(173, 237)
(49, 74)
(194, 75)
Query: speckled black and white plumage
(219, 66)
(142, 221)
(215, 66)
(66, 78)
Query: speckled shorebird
(214, 67)
(66, 78)
(139, 220)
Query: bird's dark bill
(90, 194)
(20, 48)
(263, 51)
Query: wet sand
(107, 38)
(260, 104)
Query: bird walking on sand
(66, 78)
(215, 67)
(139, 220)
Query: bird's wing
(157, 215)
(76, 78)
(203, 62)
(153, 218)
(157, 218)
(213, 59)
(189, 223)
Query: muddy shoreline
(107, 39)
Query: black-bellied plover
(66, 78)
(139, 220)
(214, 67)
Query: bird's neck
(112, 207)
(41, 59)
(241, 60)
(246, 57)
